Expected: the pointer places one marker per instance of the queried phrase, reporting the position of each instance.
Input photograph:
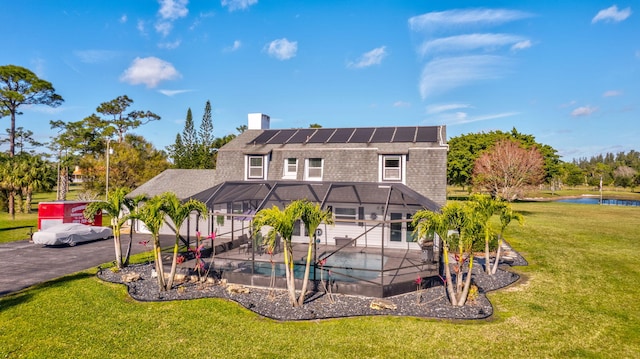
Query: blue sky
(566, 72)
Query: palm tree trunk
(157, 251)
(467, 283)
(174, 263)
(487, 262)
(305, 279)
(291, 283)
(12, 204)
(497, 260)
(447, 273)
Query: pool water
(344, 267)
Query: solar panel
(404, 134)
(264, 136)
(282, 136)
(427, 134)
(302, 135)
(383, 134)
(321, 135)
(341, 135)
(362, 135)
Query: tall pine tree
(206, 139)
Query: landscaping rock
(382, 304)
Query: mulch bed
(429, 302)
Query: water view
(605, 201)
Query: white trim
(286, 174)
(306, 170)
(247, 159)
(403, 169)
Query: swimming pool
(341, 266)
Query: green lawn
(579, 297)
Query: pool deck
(399, 273)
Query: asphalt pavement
(24, 264)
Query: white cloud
(173, 9)
(468, 42)
(171, 93)
(164, 27)
(612, 14)
(95, 56)
(401, 104)
(373, 57)
(141, 27)
(170, 45)
(459, 118)
(583, 111)
(236, 45)
(234, 5)
(149, 71)
(431, 109)
(444, 74)
(521, 45)
(123, 18)
(282, 49)
(612, 93)
(432, 20)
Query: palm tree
(152, 215)
(134, 202)
(178, 212)
(484, 207)
(426, 223)
(312, 216)
(116, 200)
(506, 216)
(281, 223)
(38, 177)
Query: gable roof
(183, 182)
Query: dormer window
(290, 168)
(392, 168)
(255, 168)
(313, 169)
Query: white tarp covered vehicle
(71, 234)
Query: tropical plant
(455, 219)
(178, 212)
(116, 201)
(152, 215)
(506, 216)
(312, 216)
(281, 223)
(484, 207)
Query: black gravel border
(427, 303)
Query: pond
(605, 201)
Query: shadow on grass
(13, 300)
(9, 299)
(16, 227)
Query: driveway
(23, 263)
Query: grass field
(579, 297)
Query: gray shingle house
(373, 179)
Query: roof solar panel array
(349, 135)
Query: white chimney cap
(258, 121)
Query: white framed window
(345, 213)
(392, 168)
(290, 168)
(255, 165)
(313, 169)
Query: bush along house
(371, 178)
